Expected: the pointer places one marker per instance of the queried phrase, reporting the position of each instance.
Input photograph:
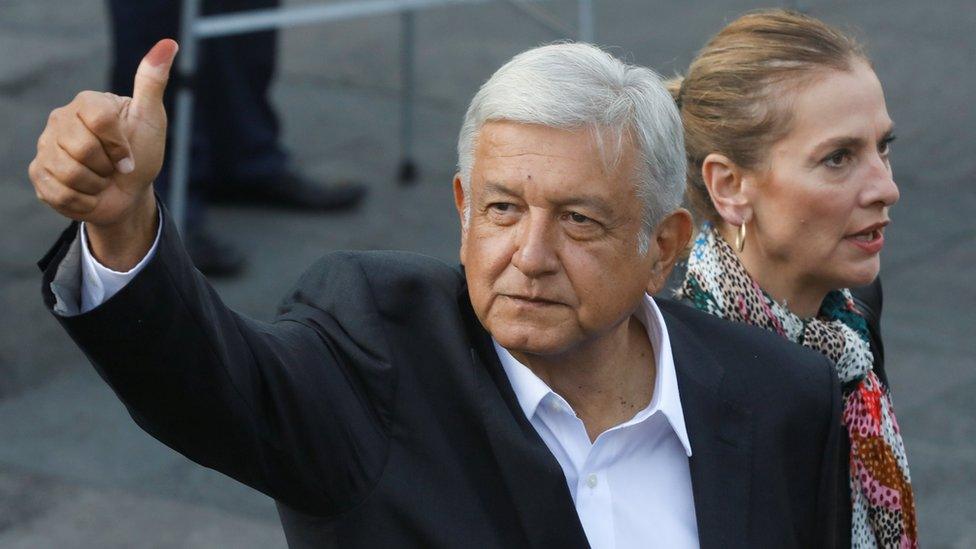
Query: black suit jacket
(869, 300)
(375, 411)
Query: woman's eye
(884, 148)
(837, 159)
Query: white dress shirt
(631, 487)
(98, 282)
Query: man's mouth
(531, 300)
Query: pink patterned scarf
(881, 491)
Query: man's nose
(535, 255)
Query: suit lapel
(718, 427)
(721, 440)
(527, 468)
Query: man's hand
(98, 156)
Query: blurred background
(76, 472)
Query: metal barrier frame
(195, 28)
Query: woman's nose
(882, 187)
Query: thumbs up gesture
(98, 156)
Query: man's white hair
(579, 86)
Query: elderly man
(538, 397)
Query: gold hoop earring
(740, 238)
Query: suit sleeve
(833, 501)
(98, 282)
(296, 408)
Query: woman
(787, 139)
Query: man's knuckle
(86, 96)
(61, 170)
(80, 150)
(54, 165)
(103, 120)
(63, 198)
(67, 144)
(35, 172)
(89, 151)
(75, 174)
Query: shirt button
(591, 481)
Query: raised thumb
(152, 75)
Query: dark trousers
(235, 129)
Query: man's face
(551, 247)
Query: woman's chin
(861, 276)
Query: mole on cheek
(529, 177)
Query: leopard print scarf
(881, 491)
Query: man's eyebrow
(595, 203)
(494, 187)
(592, 202)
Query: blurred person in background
(237, 156)
(788, 143)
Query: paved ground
(74, 470)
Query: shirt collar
(530, 390)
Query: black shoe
(288, 190)
(213, 256)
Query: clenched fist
(98, 156)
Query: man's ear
(670, 239)
(460, 200)
(724, 181)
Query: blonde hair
(732, 101)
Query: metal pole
(586, 21)
(186, 64)
(293, 16)
(290, 16)
(408, 169)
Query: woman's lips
(870, 242)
